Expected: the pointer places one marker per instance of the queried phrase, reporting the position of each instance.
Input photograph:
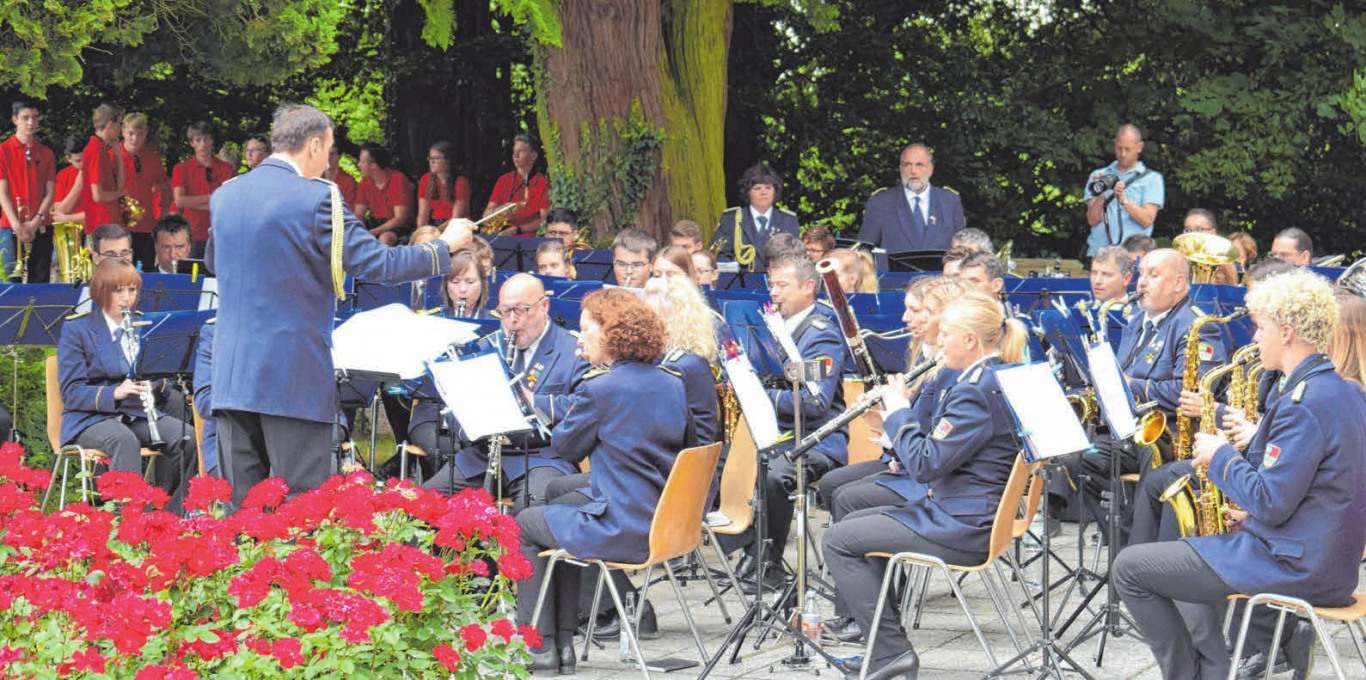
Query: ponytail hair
(977, 312)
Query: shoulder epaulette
(823, 301)
(976, 375)
(595, 372)
(495, 314)
(877, 192)
(78, 315)
(1198, 311)
(820, 324)
(950, 190)
(673, 372)
(731, 209)
(673, 355)
(785, 210)
(1298, 394)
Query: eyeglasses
(630, 266)
(120, 254)
(519, 310)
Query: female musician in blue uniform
(1301, 482)
(632, 418)
(101, 397)
(466, 289)
(965, 460)
(690, 346)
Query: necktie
(124, 362)
(1143, 339)
(915, 205)
(763, 223)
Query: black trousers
(560, 613)
(1178, 602)
(525, 491)
(425, 435)
(842, 476)
(40, 257)
(858, 578)
(122, 440)
(779, 486)
(863, 494)
(566, 484)
(1153, 519)
(254, 446)
(1088, 476)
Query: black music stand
(33, 313)
(916, 261)
(171, 292)
(166, 349)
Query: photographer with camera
(1122, 199)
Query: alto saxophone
(1191, 376)
(1198, 505)
(149, 401)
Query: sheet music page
(1048, 421)
(778, 329)
(395, 340)
(1111, 394)
(754, 402)
(208, 296)
(476, 390)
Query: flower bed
(349, 580)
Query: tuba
(73, 260)
(1207, 253)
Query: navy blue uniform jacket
(1303, 485)
(699, 386)
(920, 411)
(818, 337)
(1155, 369)
(203, 393)
(965, 459)
(779, 220)
(889, 222)
(270, 246)
(633, 420)
(89, 367)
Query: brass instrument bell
(1206, 254)
(1354, 279)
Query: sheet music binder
(1047, 425)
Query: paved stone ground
(948, 649)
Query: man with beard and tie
(917, 217)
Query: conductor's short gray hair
(294, 125)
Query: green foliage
(41, 43)
(618, 161)
(358, 105)
(30, 408)
(539, 17)
(1353, 103)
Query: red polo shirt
(200, 180)
(444, 204)
(533, 192)
(66, 180)
(348, 187)
(141, 175)
(98, 168)
(28, 169)
(398, 190)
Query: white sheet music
(208, 295)
(1049, 424)
(395, 340)
(1116, 406)
(754, 402)
(778, 329)
(477, 392)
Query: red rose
(530, 635)
(504, 628)
(474, 636)
(447, 656)
(514, 565)
(269, 493)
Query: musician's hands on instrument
(893, 466)
(874, 419)
(1190, 404)
(1238, 428)
(130, 387)
(1205, 446)
(459, 233)
(1234, 518)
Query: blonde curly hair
(1300, 299)
(689, 320)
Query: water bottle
(627, 657)
(811, 617)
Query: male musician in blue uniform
(915, 215)
(792, 285)
(1152, 356)
(742, 232)
(544, 355)
(1302, 484)
(275, 395)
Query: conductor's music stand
(916, 261)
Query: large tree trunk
(664, 61)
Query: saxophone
(149, 401)
(1190, 378)
(1103, 317)
(1198, 505)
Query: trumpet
(497, 220)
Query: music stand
(170, 292)
(166, 349)
(594, 265)
(916, 261)
(33, 313)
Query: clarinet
(149, 402)
(460, 308)
(495, 477)
(869, 399)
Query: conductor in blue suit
(965, 460)
(274, 247)
(915, 215)
(632, 417)
(742, 232)
(1302, 484)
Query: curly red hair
(631, 331)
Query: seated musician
(561, 223)
(100, 395)
(674, 261)
(953, 259)
(465, 290)
(444, 192)
(848, 270)
(553, 259)
(983, 271)
(424, 234)
(1152, 355)
(686, 235)
(633, 251)
(1301, 484)
(384, 197)
(819, 242)
(965, 459)
(973, 239)
(1202, 221)
(1112, 268)
(525, 186)
(632, 418)
(704, 261)
(110, 241)
(792, 286)
(545, 354)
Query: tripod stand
(1054, 658)
(1110, 620)
(762, 613)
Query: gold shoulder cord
(338, 238)
(744, 253)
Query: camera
(1103, 184)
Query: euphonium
(1353, 280)
(1206, 254)
(1199, 506)
(1191, 376)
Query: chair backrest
(53, 390)
(198, 434)
(676, 529)
(738, 478)
(1030, 505)
(1003, 528)
(862, 448)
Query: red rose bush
(352, 579)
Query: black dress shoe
(774, 579)
(1300, 650)
(745, 567)
(906, 666)
(608, 626)
(844, 630)
(1253, 666)
(546, 660)
(567, 660)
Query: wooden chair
(1002, 535)
(1352, 615)
(738, 478)
(62, 455)
(198, 435)
(673, 533)
(862, 448)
